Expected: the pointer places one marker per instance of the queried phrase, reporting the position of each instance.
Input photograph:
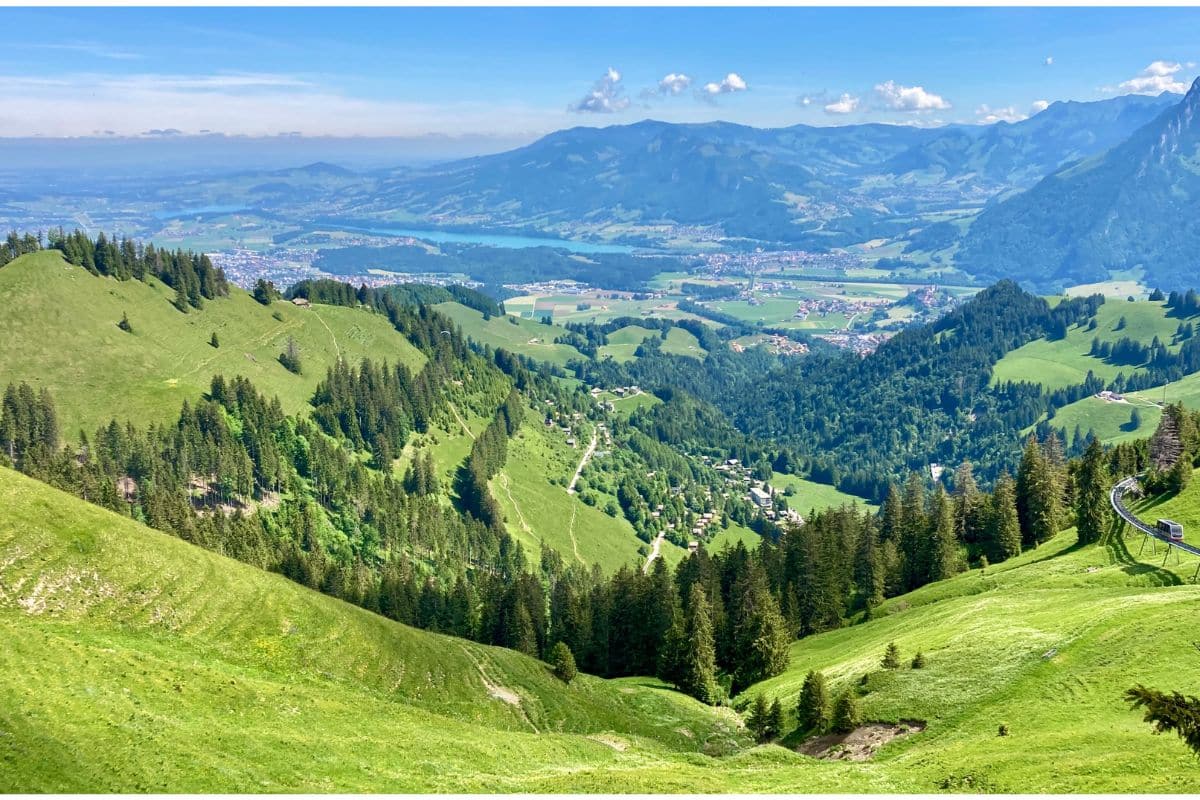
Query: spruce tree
(213, 341)
(943, 555)
(697, 662)
(1092, 510)
(846, 714)
(891, 657)
(563, 662)
(774, 726)
(1004, 528)
(757, 721)
(1169, 712)
(812, 709)
(918, 661)
(124, 323)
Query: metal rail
(1116, 497)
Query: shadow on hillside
(1119, 549)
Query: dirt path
(461, 421)
(503, 480)
(653, 552)
(583, 461)
(499, 692)
(571, 532)
(337, 351)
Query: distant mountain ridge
(1132, 207)
(816, 185)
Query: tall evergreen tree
(1092, 510)
(812, 709)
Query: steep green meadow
(517, 335)
(1111, 420)
(1045, 644)
(65, 337)
(136, 662)
(1057, 364)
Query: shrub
(918, 661)
(563, 662)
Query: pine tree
(697, 661)
(943, 555)
(891, 657)
(812, 709)
(213, 341)
(846, 714)
(1169, 712)
(774, 726)
(1004, 527)
(1091, 500)
(124, 323)
(918, 661)
(758, 722)
(563, 662)
(1039, 493)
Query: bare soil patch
(861, 743)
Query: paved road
(1117, 497)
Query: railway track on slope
(1116, 497)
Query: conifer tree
(891, 657)
(774, 726)
(1004, 527)
(1092, 510)
(846, 714)
(943, 556)
(696, 662)
(1169, 712)
(124, 323)
(758, 721)
(213, 341)
(563, 662)
(1039, 493)
(812, 709)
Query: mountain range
(816, 186)
(1130, 208)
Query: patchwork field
(167, 359)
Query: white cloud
(1049, 62)
(1038, 106)
(1156, 78)
(607, 96)
(909, 98)
(846, 104)
(729, 84)
(988, 115)
(674, 83)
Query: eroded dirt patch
(861, 743)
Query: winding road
(583, 461)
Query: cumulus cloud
(1156, 78)
(607, 96)
(846, 104)
(988, 115)
(728, 85)
(1038, 106)
(674, 83)
(895, 97)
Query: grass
(1046, 644)
(624, 342)
(136, 662)
(810, 495)
(522, 336)
(1066, 362)
(532, 491)
(1111, 420)
(145, 376)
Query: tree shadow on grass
(1117, 547)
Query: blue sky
(512, 74)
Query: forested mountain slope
(1133, 207)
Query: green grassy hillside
(1111, 420)
(1066, 362)
(533, 493)
(808, 495)
(1045, 644)
(522, 336)
(136, 662)
(65, 337)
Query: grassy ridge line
(135, 661)
(60, 331)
